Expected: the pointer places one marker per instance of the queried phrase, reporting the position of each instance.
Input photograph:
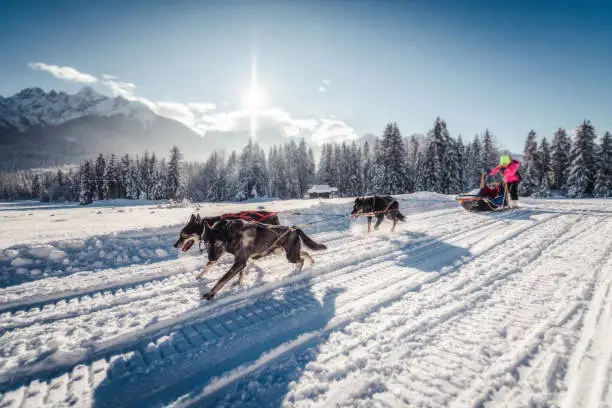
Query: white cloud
(202, 107)
(334, 130)
(65, 73)
(124, 89)
(205, 117)
(240, 121)
(324, 86)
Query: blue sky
(335, 68)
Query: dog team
(251, 235)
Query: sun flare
(254, 98)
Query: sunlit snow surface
(452, 309)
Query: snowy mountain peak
(88, 93)
(33, 107)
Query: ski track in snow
(453, 309)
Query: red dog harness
(249, 216)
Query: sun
(254, 98)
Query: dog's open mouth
(187, 245)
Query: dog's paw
(208, 296)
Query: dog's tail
(400, 216)
(309, 242)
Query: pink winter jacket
(509, 172)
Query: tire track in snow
(482, 281)
(345, 313)
(588, 373)
(445, 350)
(109, 280)
(94, 299)
(122, 361)
(119, 319)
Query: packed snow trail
(452, 309)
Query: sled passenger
(509, 168)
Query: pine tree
(173, 181)
(393, 160)
(355, 170)
(458, 173)
(99, 177)
(490, 154)
(435, 176)
(303, 168)
(36, 186)
(87, 183)
(561, 146)
(232, 187)
(476, 166)
(530, 175)
(111, 179)
(580, 181)
(159, 189)
(366, 159)
(603, 177)
(411, 164)
(378, 168)
(59, 178)
(544, 161)
(123, 175)
(133, 183)
(543, 190)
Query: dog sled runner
(490, 197)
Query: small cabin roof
(322, 188)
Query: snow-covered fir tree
(124, 168)
(543, 190)
(99, 177)
(36, 186)
(87, 183)
(530, 170)
(366, 172)
(411, 163)
(435, 158)
(490, 154)
(544, 161)
(458, 174)
(110, 177)
(475, 165)
(159, 189)
(603, 177)
(559, 160)
(173, 181)
(231, 177)
(393, 160)
(583, 162)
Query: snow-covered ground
(452, 309)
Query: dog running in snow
(193, 231)
(250, 240)
(380, 207)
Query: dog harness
(249, 216)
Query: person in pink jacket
(509, 168)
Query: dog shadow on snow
(303, 314)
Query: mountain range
(39, 129)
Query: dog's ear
(198, 219)
(192, 219)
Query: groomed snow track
(453, 309)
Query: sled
(490, 197)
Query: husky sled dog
(251, 240)
(193, 231)
(377, 206)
